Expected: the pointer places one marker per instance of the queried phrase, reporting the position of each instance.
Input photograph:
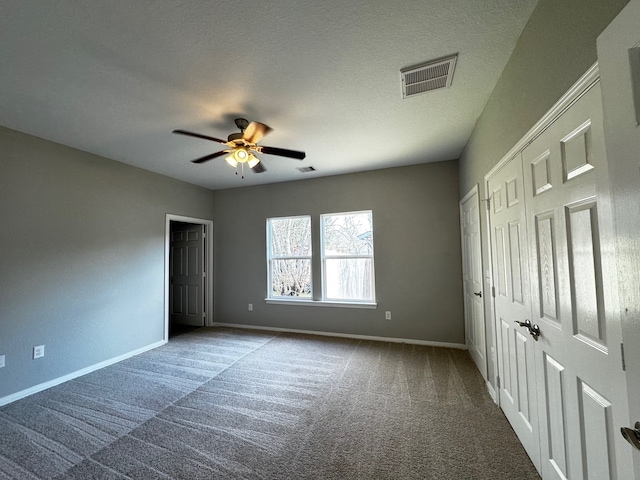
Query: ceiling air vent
(429, 76)
(307, 169)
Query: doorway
(188, 274)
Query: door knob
(632, 435)
(478, 294)
(534, 330)
(526, 323)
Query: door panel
(516, 352)
(581, 367)
(507, 376)
(585, 273)
(555, 405)
(501, 260)
(522, 348)
(515, 234)
(619, 60)
(595, 415)
(547, 266)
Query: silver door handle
(534, 330)
(632, 435)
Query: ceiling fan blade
(255, 131)
(283, 152)
(206, 158)
(199, 135)
(259, 168)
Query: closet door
(580, 379)
(472, 279)
(516, 349)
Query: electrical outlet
(251, 307)
(387, 315)
(38, 351)
(1, 361)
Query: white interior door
(516, 353)
(472, 279)
(581, 383)
(619, 60)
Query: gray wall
(82, 257)
(416, 242)
(556, 47)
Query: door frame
(208, 263)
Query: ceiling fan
(243, 146)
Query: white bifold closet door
(580, 377)
(562, 384)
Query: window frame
(271, 257)
(317, 263)
(324, 257)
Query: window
(289, 256)
(344, 260)
(347, 256)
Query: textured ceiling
(114, 78)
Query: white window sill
(321, 303)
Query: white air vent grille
(307, 169)
(427, 77)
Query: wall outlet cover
(38, 351)
(1, 361)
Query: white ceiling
(114, 78)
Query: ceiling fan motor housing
(234, 136)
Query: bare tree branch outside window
(290, 257)
(348, 256)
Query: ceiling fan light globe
(231, 161)
(241, 155)
(253, 161)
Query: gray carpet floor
(226, 403)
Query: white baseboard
(410, 341)
(57, 381)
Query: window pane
(349, 278)
(291, 278)
(348, 234)
(291, 236)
